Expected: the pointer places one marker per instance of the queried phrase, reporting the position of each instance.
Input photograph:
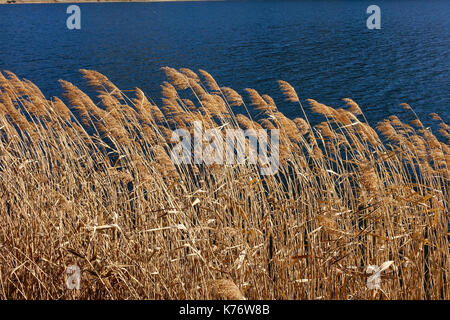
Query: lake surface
(323, 48)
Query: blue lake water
(323, 48)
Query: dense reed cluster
(90, 182)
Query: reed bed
(91, 183)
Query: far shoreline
(92, 1)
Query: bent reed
(93, 185)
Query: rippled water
(322, 47)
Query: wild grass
(92, 184)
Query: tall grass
(92, 184)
